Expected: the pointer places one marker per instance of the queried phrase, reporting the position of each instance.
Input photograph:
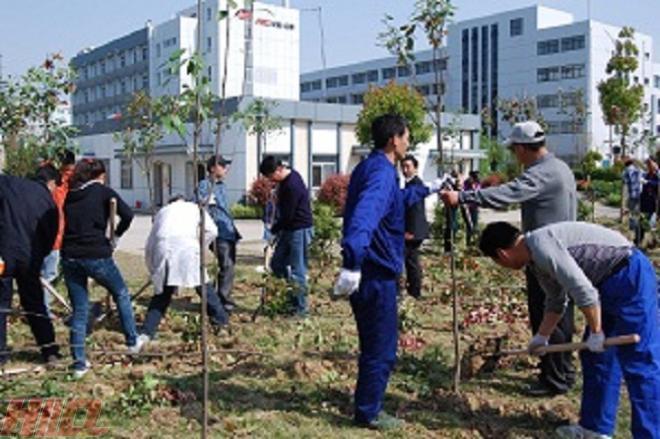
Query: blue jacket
(219, 210)
(374, 216)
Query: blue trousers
(629, 305)
(375, 309)
(106, 273)
(290, 261)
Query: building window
(337, 81)
(465, 69)
(305, 87)
(158, 50)
(440, 65)
(474, 42)
(547, 47)
(516, 27)
(126, 167)
(122, 60)
(657, 129)
(357, 99)
(484, 66)
(547, 101)
(208, 14)
(422, 68)
(403, 71)
(102, 67)
(145, 81)
(341, 99)
(547, 74)
(135, 56)
(424, 90)
(389, 73)
(158, 79)
(647, 81)
(572, 71)
(145, 54)
(494, 60)
(209, 44)
(372, 76)
(209, 72)
(576, 42)
(359, 78)
(322, 168)
(123, 87)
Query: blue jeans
(49, 273)
(106, 273)
(290, 260)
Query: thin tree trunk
(438, 109)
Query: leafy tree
(257, 119)
(398, 99)
(574, 105)
(143, 130)
(28, 128)
(432, 17)
(620, 100)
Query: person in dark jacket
(293, 228)
(87, 253)
(28, 228)
(372, 251)
(648, 200)
(417, 230)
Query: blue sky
(29, 29)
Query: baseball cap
(525, 133)
(217, 160)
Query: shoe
(79, 373)
(578, 432)
(540, 390)
(139, 344)
(52, 360)
(383, 422)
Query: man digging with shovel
(615, 287)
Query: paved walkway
(252, 245)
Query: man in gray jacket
(547, 194)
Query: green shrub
(584, 211)
(613, 199)
(603, 188)
(242, 211)
(327, 231)
(612, 173)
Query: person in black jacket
(416, 231)
(87, 252)
(28, 228)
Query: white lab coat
(172, 249)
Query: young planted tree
(257, 118)
(29, 129)
(394, 99)
(574, 105)
(143, 130)
(431, 17)
(520, 109)
(620, 99)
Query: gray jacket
(571, 259)
(546, 191)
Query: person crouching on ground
(615, 287)
(172, 257)
(87, 253)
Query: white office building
(535, 52)
(317, 139)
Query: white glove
(538, 341)
(596, 342)
(347, 282)
(212, 201)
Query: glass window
(547, 47)
(208, 14)
(158, 50)
(305, 87)
(322, 168)
(316, 85)
(357, 99)
(145, 53)
(403, 71)
(209, 44)
(548, 74)
(359, 78)
(126, 167)
(389, 73)
(122, 60)
(516, 27)
(423, 67)
(372, 76)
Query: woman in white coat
(172, 256)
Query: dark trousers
(31, 295)
(160, 302)
(225, 252)
(557, 370)
(413, 268)
(375, 309)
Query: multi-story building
(535, 52)
(262, 60)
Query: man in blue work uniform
(615, 287)
(373, 250)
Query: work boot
(578, 432)
(383, 422)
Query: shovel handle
(620, 340)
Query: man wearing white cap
(546, 192)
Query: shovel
(620, 340)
